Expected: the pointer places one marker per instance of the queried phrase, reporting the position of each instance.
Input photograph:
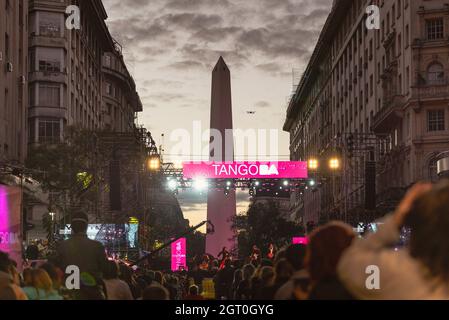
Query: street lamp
(334, 164)
(312, 164)
(154, 163)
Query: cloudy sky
(171, 47)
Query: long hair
(429, 222)
(325, 247)
(41, 280)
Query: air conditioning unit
(1, 56)
(9, 67)
(22, 79)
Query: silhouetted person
(88, 255)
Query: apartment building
(120, 99)
(68, 72)
(372, 95)
(13, 80)
(77, 78)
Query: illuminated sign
(246, 170)
(179, 255)
(10, 201)
(300, 240)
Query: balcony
(59, 77)
(43, 41)
(46, 4)
(431, 92)
(47, 112)
(389, 115)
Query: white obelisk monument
(221, 208)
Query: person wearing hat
(88, 255)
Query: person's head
(238, 275)
(283, 270)
(41, 280)
(248, 271)
(27, 277)
(125, 273)
(158, 277)
(54, 274)
(155, 292)
(79, 223)
(295, 254)
(326, 245)
(110, 270)
(228, 263)
(5, 262)
(266, 275)
(194, 290)
(429, 221)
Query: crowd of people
(332, 266)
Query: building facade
(372, 96)
(78, 78)
(13, 84)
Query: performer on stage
(224, 254)
(270, 254)
(256, 256)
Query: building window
(107, 61)
(49, 24)
(32, 130)
(49, 131)
(108, 89)
(435, 120)
(49, 66)
(435, 74)
(49, 95)
(435, 29)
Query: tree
(262, 225)
(68, 171)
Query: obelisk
(221, 208)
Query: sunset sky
(171, 46)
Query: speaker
(115, 202)
(370, 185)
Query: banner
(246, 170)
(10, 228)
(179, 255)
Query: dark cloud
(197, 4)
(186, 65)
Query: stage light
(312, 183)
(257, 183)
(228, 183)
(313, 164)
(172, 184)
(200, 184)
(285, 183)
(334, 163)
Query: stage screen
(110, 234)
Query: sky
(171, 47)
